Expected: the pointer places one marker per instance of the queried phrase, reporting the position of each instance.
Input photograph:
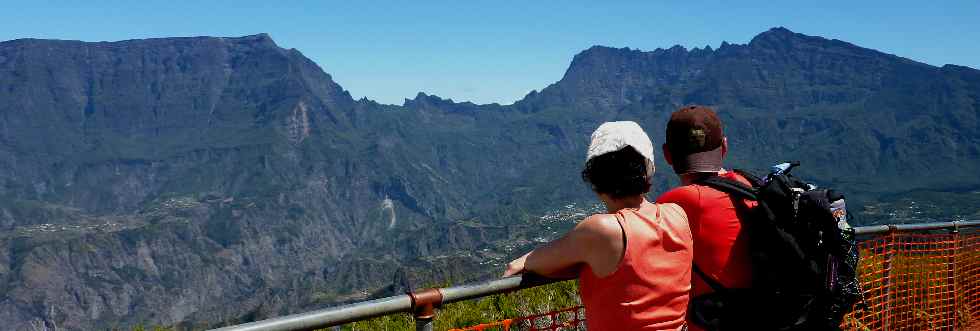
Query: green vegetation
(152, 328)
(493, 308)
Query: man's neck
(691, 177)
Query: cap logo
(697, 137)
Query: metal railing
(422, 303)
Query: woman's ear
(670, 161)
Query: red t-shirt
(720, 248)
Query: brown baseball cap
(694, 139)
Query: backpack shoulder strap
(712, 283)
(756, 181)
(729, 186)
(733, 188)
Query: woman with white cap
(634, 261)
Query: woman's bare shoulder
(672, 208)
(673, 211)
(600, 225)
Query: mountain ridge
(775, 33)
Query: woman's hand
(516, 266)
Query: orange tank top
(649, 289)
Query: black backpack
(803, 255)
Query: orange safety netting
(918, 282)
(911, 281)
(565, 319)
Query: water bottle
(839, 210)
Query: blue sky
(498, 51)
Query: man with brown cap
(695, 147)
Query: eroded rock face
(194, 181)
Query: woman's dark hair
(620, 174)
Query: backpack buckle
(797, 192)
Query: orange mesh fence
(911, 281)
(565, 319)
(918, 282)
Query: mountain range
(205, 180)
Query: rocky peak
(609, 78)
(262, 39)
(782, 39)
(423, 101)
(597, 55)
(777, 32)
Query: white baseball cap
(613, 136)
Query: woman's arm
(596, 241)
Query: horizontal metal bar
(330, 316)
(496, 286)
(403, 303)
(385, 306)
(876, 229)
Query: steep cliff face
(85, 113)
(198, 180)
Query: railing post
(424, 305)
(423, 324)
(951, 275)
(888, 251)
